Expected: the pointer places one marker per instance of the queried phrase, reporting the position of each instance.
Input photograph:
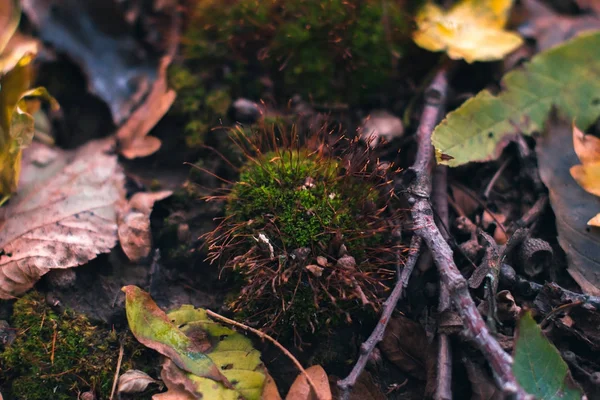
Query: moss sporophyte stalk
(308, 235)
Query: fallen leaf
(132, 136)
(405, 344)
(301, 390)
(119, 68)
(134, 224)
(587, 174)
(572, 205)
(550, 28)
(538, 366)
(482, 384)
(151, 327)
(10, 13)
(471, 30)
(63, 215)
(134, 381)
(567, 76)
(270, 391)
(590, 5)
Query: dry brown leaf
(301, 390)
(134, 224)
(132, 136)
(63, 215)
(134, 381)
(270, 391)
(571, 204)
(365, 388)
(405, 344)
(550, 28)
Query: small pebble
(381, 125)
(246, 111)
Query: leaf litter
(197, 362)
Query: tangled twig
(418, 192)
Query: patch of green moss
(306, 206)
(325, 50)
(59, 355)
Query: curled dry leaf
(132, 136)
(134, 224)
(405, 344)
(301, 389)
(63, 215)
(134, 381)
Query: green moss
(327, 51)
(308, 208)
(58, 355)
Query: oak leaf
(301, 389)
(63, 215)
(471, 30)
(587, 174)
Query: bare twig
(424, 226)
(263, 335)
(439, 201)
(119, 361)
(368, 346)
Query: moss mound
(306, 234)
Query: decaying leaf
(587, 174)
(95, 35)
(538, 366)
(301, 390)
(204, 358)
(63, 215)
(405, 344)
(572, 206)
(10, 12)
(134, 224)
(472, 30)
(134, 381)
(550, 28)
(567, 76)
(151, 327)
(132, 136)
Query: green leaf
(538, 366)
(151, 327)
(195, 345)
(567, 76)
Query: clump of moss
(59, 355)
(306, 232)
(325, 50)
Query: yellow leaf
(587, 174)
(16, 120)
(471, 30)
(588, 177)
(587, 147)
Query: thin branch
(439, 201)
(116, 379)
(424, 226)
(368, 346)
(263, 335)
